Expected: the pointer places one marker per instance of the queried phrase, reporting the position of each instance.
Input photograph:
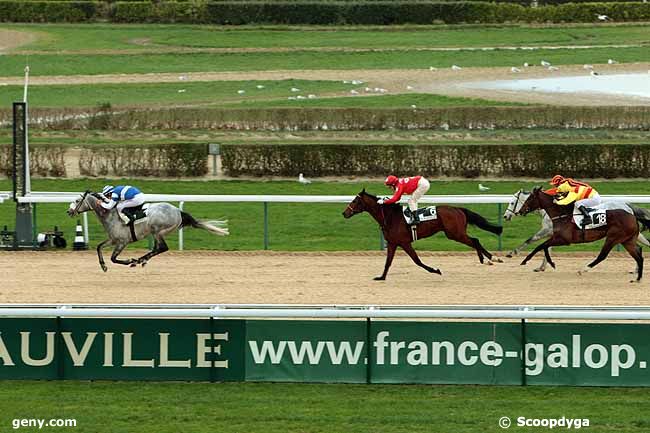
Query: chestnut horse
(452, 220)
(621, 228)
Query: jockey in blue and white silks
(122, 196)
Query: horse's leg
(102, 263)
(479, 247)
(547, 258)
(636, 253)
(541, 234)
(159, 248)
(604, 252)
(464, 239)
(390, 253)
(414, 256)
(537, 249)
(116, 252)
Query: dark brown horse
(621, 228)
(452, 220)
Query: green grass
(214, 93)
(77, 37)
(52, 64)
(380, 101)
(119, 407)
(298, 227)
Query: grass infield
(299, 227)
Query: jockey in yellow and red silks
(581, 193)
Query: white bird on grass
(553, 68)
(545, 63)
(259, 86)
(182, 77)
(295, 89)
(455, 68)
(433, 68)
(526, 64)
(483, 188)
(241, 92)
(414, 106)
(354, 92)
(311, 96)
(357, 82)
(181, 90)
(603, 17)
(303, 180)
(409, 87)
(515, 70)
(611, 62)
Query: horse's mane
(374, 197)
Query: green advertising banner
(124, 349)
(587, 354)
(503, 353)
(306, 351)
(443, 352)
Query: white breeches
(423, 187)
(137, 200)
(589, 202)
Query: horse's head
(531, 203)
(359, 204)
(514, 206)
(87, 201)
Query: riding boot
(586, 220)
(414, 218)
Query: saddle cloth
(138, 213)
(599, 214)
(424, 214)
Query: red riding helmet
(557, 180)
(391, 180)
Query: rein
(83, 198)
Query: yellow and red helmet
(557, 180)
(391, 180)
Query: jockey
(416, 186)
(122, 196)
(581, 193)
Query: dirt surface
(395, 81)
(321, 278)
(10, 39)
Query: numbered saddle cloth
(424, 214)
(598, 214)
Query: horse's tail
(642, 215)
(480, 222)
(216, 226)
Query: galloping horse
(514, 206)
(621, 228)
(452, 220)
(162, 219)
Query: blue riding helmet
(108, 189)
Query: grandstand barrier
(343, 344)
(498, 199)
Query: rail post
(180, 231)
(266, 225)
(85, 222)
(500, 220)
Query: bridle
(354, 212)
(517, 199)
(81, 200)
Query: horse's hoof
(509, 255)
(144, 263)
(379, 278)
(489, 262)
(104, 268)
(436, 271)
(523, 263)
(538, 270)
(497, 260)
(635, 281)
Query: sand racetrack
(323, 278)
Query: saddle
(424, 214)
(136, 213)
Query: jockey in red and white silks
(416, 186)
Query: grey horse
(161, 219)
(547, 225)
